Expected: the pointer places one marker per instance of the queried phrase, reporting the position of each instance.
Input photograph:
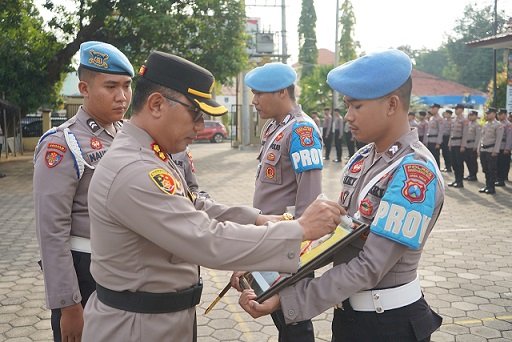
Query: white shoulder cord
(75, 149)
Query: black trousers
(445, 149)
(457, 163)
(435, 152)
(414, 322)
(471, 159)
(503, 166)
(489, 164)
(86, 283)
(328, 144)
(350, 143)
(337, 144)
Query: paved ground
(466, 269)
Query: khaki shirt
(446, 126)
(492, 133)
(422, 129)
(148, 235)
(60, 202)
(434, 130)
(506, 140)
(278, 185)
(185, 164)
(473, 134)
(375, 261)
(458, 131)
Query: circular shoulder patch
(163, 180)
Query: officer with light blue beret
(290, 169)
(65, 159)
(394, 185)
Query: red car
(214, 131)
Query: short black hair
(85, 74)
(143, 89)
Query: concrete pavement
(466, 268)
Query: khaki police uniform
(422, 130)
(503, 162)
(375, 261)
(327, 134)
(61, 181)
(148, 235)
(338, 136)
(470, 143)
(446, 126)
(434, 136)
(492, 133)
(457, 133)
(185, 164)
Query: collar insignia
(93, 125)
(393, 149)
(158, 151)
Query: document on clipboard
(314, 254)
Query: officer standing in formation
(377, 89)
(490, 142)
(422, 125)
(149, 233)
(412, 119)
(503, 162)
(327, 132)
(185, 164)
(434, 132)
(446, 126)
(458, 133)
(338, 134)
(290, 162)
(65, 159)
(469, 145)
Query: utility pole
(495, 31)
(283, 30)
(336, 54)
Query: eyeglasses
(197, 113)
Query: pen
(221, 294)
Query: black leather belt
(151, 303)
(456, 138)
(470, 141)
(431, 136)
(487, 146)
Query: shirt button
(376, 296)
(379, 309)
(291, 255)
(291, 313)
(75, 298)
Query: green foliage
(315, 93)
(25, 51)
(347, 45)
(308, 52)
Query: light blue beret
(372, 76)
(103, 57)
(270, 77)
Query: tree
(315, 93)
(347, 45)
(210, 33)
(308, 52)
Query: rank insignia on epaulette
(163, 180)
(158, 151)
(93, 125)
(53, 158)
(96, 143)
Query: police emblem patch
(366, 207)
(158, 151)
(271, 156)
(306, 135)
(270, 172)
(57, 147)
(163, 180)
(357, 166)
(96, 143)
(416, 181)
(53, 158)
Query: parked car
(214, 131)
(35, 127)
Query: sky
(380, 24)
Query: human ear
(154, 103)
(83, 88)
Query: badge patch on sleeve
(305, 148)
(53, 158)
(405, 211)
(163, 180)
(57, 147)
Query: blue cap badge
(372, 76)
(270, 77)
(103, 57)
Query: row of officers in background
(462, 139)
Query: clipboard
(314, 254)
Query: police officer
(412, 119)
(458, 131)
(349, 140)
(434, 132)
(290, 169)
(422, 125)
(374, 283)
(338, 134)
(445, 128)
(149, 233)
(469, 145)
(503, 162)
(185, 164)
(65, 159)
(492, 134)
(327, 132)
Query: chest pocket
(270, 170)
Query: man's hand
(494, 154)
(72, 323)
(320, 217)
(235, 280)
(262, 219)
(438, 146)
(462, 149)
(256, 309)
